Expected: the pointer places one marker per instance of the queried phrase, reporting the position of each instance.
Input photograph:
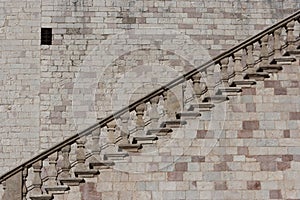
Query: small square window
(46, 36)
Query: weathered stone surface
(104, 55)
(13, 187)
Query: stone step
(71, 181)
(104, 164)
(116, 156)
(283, 60)
(216, 98)
(229, 91)
(188, 114)
(159, 131)
(131, 147)
(272, 68)
(88, 173)
(258, 76)
(57, 189)
(173, 123)
(146, 139)
(243, 83)
(41, 197)
(201, 107)
(293, 52)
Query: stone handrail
(102, 123)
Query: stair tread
(74, 181)
(131, 147)
(206, 106)
(257, 75)
(216, 98)
(283, 59)
(41, 197)
(293, 52)
(229, 90)
(116, 155)
(57, 189)
(144, 139)
(173, 123)
(243, 83)
(159, 130)
(104, 164)
(86, 173)
(188, 114)
(270, 68)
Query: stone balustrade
(52, 172)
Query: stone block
(275, 194)
(181, 166)
(253, 185)
(221, 185)
(175, 176)
(294, 115)
(250, 125)
(164, 186)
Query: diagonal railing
(102, 123)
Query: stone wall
(20, 23)
(104, 55)
(246, 148)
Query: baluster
(111, 129)
(171, 105)
(4, 186)
(52, 187)
(229, 91)
(125, 143)
(24, 180)
(36, 191)
(165, 106)
(52, 171)
(112, 151)
(264, 54)
(95, 145)
(37, 181)
(250, 59)
(81, 169)
(140, 124)
(95, 161)
(65, 176)
(66, 165)
(124, 129)
(257, 72)
(224, 72)
(277, 45)
(290, 38)
(210, 81)
(154, 115)
(238, 68)
(80, 154)
(198, 87)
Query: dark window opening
(46, 36)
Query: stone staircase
(82, 157)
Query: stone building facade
(106, 54)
